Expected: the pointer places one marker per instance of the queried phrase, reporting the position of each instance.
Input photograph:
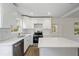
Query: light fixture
(31, 13)
(49, 13)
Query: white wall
(68, 28)
(65, 28)
(48, 32)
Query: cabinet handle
(17, 44)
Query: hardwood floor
(32, 51)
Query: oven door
(35, 39)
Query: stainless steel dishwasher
(18, 48)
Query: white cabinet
(9, 15)
(6, 50)
(27, 23)
(27, 42)
(30, 39)
(46, 23)
(12, 47)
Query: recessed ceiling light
(49, 13)
(31, 13)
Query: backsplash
(5, 34)
(46, 32)
(28, 31)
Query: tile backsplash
(46, 32)
(5, 34)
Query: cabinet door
(9, 15)
(31, 39)
(27, 23)
(6, 50)
(25, 44)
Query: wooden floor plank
(32, 51)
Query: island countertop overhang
(57, 42)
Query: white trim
(0, 21)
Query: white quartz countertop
(57, 42)
(11, 41)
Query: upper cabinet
(46, 23)
(29, 23)
(9, 15)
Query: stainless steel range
(36, 36)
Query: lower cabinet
(6, 50)
(27, 42)
(16, 49)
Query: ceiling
(49, 9)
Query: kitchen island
(57, 46)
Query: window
(76, 28)
(54, 28)
(17, 27)
(53, 25)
